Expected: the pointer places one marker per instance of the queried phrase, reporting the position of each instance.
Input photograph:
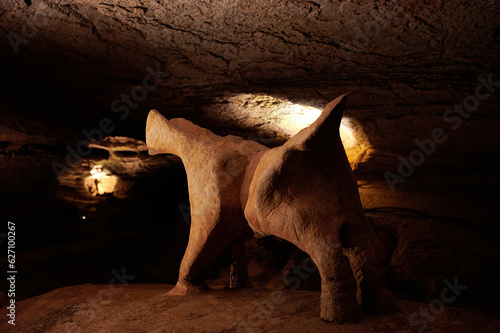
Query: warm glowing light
(298, 117)
(348, 134)
(279, 115)
(355, 141)
(295, 117)
(100, 181)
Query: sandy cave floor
(146, 308)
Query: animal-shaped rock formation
(304, 192)
(215, 167)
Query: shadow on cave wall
(64, 239)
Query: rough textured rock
(303, 192)
(420, 251)
(110, 167)
(424, 250)
(215, 167)
(405, 62)
(230, 65)
(144, 308)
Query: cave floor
(146, 308)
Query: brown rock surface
(144, 308)
(215, 167)
(228, 63)
(404, 62)
(305, 192)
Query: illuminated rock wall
(403, 62)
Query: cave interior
(420, 131)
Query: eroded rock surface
(215, 167)
(303, 192)
(405, 62)
(143, 308)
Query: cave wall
(404, 63)
(69, 64)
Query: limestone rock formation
(111, 167)
(303, 192)
(233, 67)
(405, 62)
(215, 167)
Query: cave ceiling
(235, 66)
